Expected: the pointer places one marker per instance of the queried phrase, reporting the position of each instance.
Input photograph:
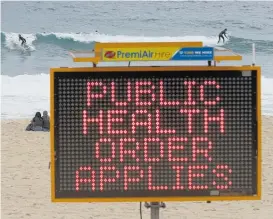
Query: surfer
(221, 35)
(23, 40)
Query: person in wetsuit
(223, 33)
(23, 40)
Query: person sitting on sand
(36, 123)
(46, 121)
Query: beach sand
(26, 185)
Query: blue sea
(53, 28)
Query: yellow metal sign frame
(172, 68)
(95, 56)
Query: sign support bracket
(155, 206)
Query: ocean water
(53, 28)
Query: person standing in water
(23, 40)
(223, 33)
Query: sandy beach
(25, 182)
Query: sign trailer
(173, 133)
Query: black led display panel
(155, 134)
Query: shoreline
(26, 184)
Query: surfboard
(220, 44)
(25, 46)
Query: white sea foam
(88, 37)
(12, 41)
(23, 95)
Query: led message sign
(155, 134)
